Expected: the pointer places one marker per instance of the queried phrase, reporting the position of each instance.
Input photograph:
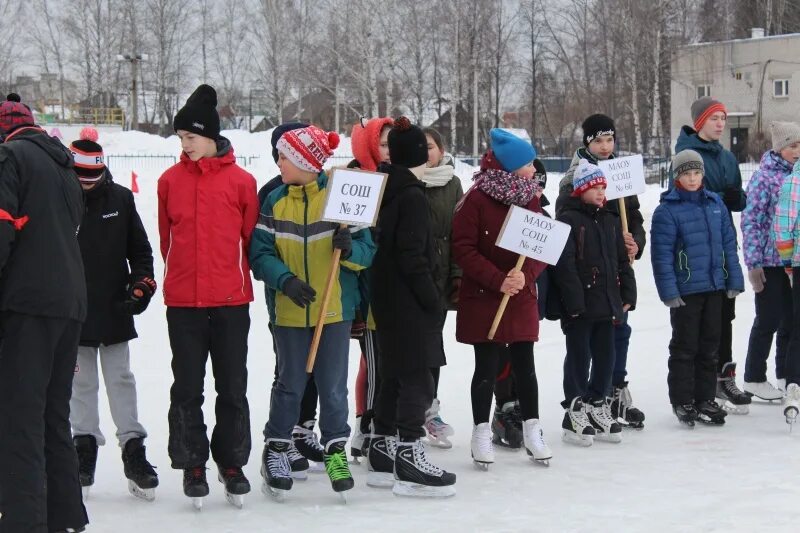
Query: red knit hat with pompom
(88, 155)
(308, 148)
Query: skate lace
(232, 473)
(278, 463)
(391, 446)
(197, 473)
(139, 463)
(730, 388)
(421, 460)
(603, 414)
(336, 466)
(580, 417)
(293, 454)
(310, 438)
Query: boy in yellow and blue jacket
(291, 251)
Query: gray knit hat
(784, 134)
(686, 160)
(704, 107)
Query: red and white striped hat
(88, 155)
(308, 148)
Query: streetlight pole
(134, 60)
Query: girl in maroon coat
(505, 179)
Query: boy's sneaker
(86, 447)
(622, 408)
(507, 426)
(710, 412)
(306, 441)
(195, 484)
(142, 477)
(275, 469)
(336, 465)
(763, 390)
(733, 400)
(297, 462)
(437, 429)
(380, 461)
(416, 476)
(607, 428)
(576, 427)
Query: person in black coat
(407, 307)
(118, 261)
(42, 306)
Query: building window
(703, 90)
(780, 88)
(738, 76)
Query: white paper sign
(533, 235)
(354, 197)
(625, 176)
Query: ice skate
(792, 407)
(438, 431)
(297, 463)
(781, 385)
(576, 427)
(337, 467)
(606, 427)
(195, 485)
(507, 426)
(357, 443)
(537, 448)
(731, 398)
(481, 446)
(622, 409)
(763, 390)
(86, 448)
(236, 485)
(710, 413)
(416, 476)
(142, 477)
(275, 470)
(380, 461)
(687, 414)
(307, 443)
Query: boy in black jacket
(118, 262)
(597, 287)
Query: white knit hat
(784, 134)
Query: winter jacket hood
(693, 245)
(763, 191)
(365, 142)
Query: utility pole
(134, 60)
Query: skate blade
(380, 480)
(197, 503)
(355, 460)
(687, 423)
(278, 495)
(481, 465)
(85, 492)
(147, 495)
(300, 475)
(614, 438)
(791, 416)
(415, 490)
(544, 461)
(442, 443)
(711, 422)
(578, 440)
(735, 409)
(237, 500)
(316, 468)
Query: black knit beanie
(408, 146)
(199, 114)
(596, 125)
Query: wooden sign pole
(504, 302)
(323, 310)
(623, 214)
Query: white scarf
(441, 175)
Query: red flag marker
(134, 185)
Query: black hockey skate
(275, 470)
(86, 447)
(576, 427)
(195, 485)
(337, 467)
(298, 463)
(687, 414)
(380, 461)
(307, 443)
(142, 477)
(622, 408)
(507, 426)
(710, 413)
(415, 476)
(731, 398)
(236, 485)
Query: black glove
(300, 292)
(733, 199)
(343, 240)
(139, 295)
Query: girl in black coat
(118, 262)
(407, 307)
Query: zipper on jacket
(166, 266)
(581, 241)
(241, 270)
(305, 250)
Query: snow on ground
(740, 477)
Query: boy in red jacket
(207, 209)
